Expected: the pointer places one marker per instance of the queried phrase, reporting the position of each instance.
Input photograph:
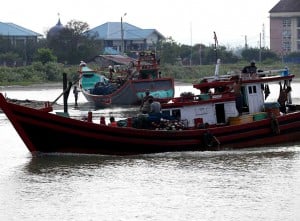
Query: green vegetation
(37, 73)
(51, 72)
(192, 74)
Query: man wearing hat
(145, 105)
(250, 69)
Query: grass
(192, 74)
(188, 74)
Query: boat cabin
(147, 66)
(216, 103)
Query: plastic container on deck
(260, 116)
(285, 72)
(241, 119)
(204, 97)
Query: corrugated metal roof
(286, 6)
(11, 29)
(117, 59)
(112, 31)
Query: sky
(189, 22)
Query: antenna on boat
(216, 45)
(217, 69)
(217, 59)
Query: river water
(251, 184)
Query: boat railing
(220, 77)
(282, 72)
(273, 72)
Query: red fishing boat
(203, 122)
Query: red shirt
(113, 124)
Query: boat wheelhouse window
(166, 113)
(252, 89)
(176, 114)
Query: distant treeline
(52, 72)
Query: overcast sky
(186, 21)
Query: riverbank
(31, 87)
(37, 104)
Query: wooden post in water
(129, 122)
(102, 120)
(90, 116)
(66, 91)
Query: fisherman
(82, 64)
(113, 122)
(111, 71)
(75, 92)
(283, 97)
(155, 106)
(250, 69)
(209, 140)
(145, 105)
(237, 90)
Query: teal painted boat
(128, 89)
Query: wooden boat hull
(45, 132)
(133, 91)
(129, 87)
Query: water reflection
(56, 163)
(242, 159)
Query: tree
(71, 44)
(258, 54)
(170, 51)
(293, 57)
(10, 58)
(45, 55)
(24, 50)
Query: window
(286, 22)
(252, 89)
(286, 45)
(176, 114)
(287, 33)
(298, 45)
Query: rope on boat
(275, 125)
(210, 141)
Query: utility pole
(191, 46)
(259, 47)
(263, 37)
(122, 34)
(246, 44)
(200, 52)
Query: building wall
(285, 32)
(134, 45)
(275, 35)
